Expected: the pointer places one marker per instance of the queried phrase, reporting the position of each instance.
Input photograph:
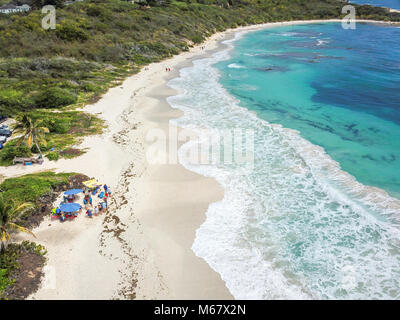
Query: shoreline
(142, 247)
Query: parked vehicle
(3, 139)
(5, 132)
(1, 146)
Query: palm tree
(32, 132)
(9, 213)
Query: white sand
(141, 248)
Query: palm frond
(23, 206)
(29, 141)
(5, 236)
(20, 228)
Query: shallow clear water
(297, 225)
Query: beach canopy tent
(72, 192)
(70, 207)
(91, 184)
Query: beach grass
(30, 187)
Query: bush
(53, 156)
(98, 11)
(10, 151)
(55, 97)
(71, 32)
(59, 126)
(34, 148)
(11, 99)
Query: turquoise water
(339, 88)
(296, 225)
(394, 4)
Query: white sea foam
(321, 42)
(297, 226)
(236, 66)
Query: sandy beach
(141, 248)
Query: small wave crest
(236, 66)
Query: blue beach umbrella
(72, 191)
(70, 207)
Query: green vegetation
(10, 212)
(65, 129)
(11, 150)
(10, 262)
(32, 132)
(30, 83)
(17, 192)
(30, 187)
(35, 189)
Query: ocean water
(303, 222)
(394, 4)
(339, 88)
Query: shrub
(55, 97)
(11, 99)
(10, 151)
(97, 11)
(53, 156)
(71, 32)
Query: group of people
(167, 69)
(92, 206)
(95, 209)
